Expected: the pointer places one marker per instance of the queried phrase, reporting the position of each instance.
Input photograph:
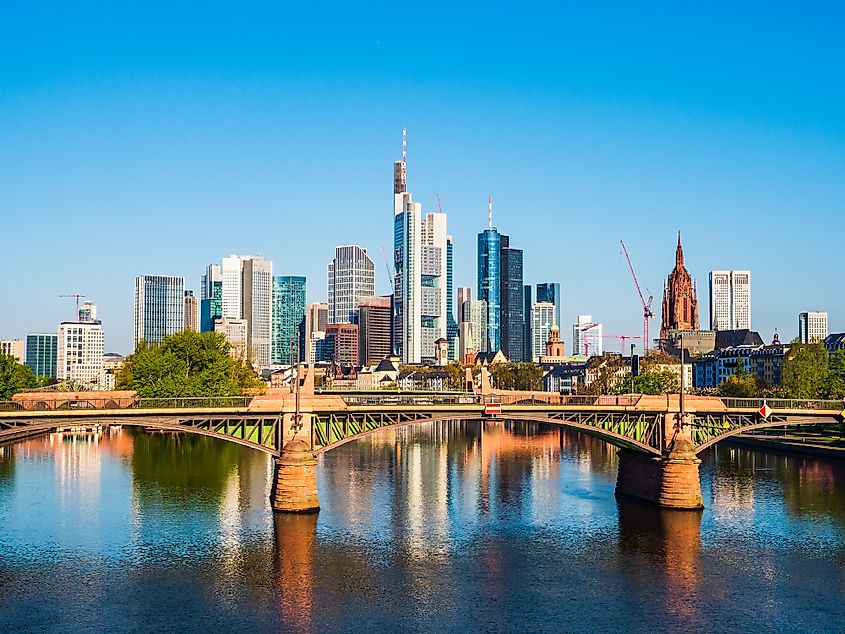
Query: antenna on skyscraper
(490, 212)
(439, 208)
(404, 144)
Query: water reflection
(295, 561)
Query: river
(440, 527)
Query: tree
(834, 385)
(517, 376)
(740, 384)
(14, 377)
(607, 374)
(805, 371)
(187, 363)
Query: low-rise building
(13, 347)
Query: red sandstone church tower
(680, 299)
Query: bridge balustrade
(783, 403)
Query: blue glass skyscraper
(288, 315)
(489, 284)
(550, 292)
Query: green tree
(517, 376)
(834, 386)
(14, 377)
(805, 371)
(187, 363)
(740, 384)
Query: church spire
(679, 253)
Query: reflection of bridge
(658, 444)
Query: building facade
(13, 348)
(730, 300)
(211, 297)
(542, 322)
(159, 307)
(42, 353)
(452, 332)
(191, 311)
(257, 307)
(511, 296)
(236, 332)
(527, 318)
(680, 298)
(288, 317)
(473, 328)
(375, 335)
(351, 276)
(342, 342)
(490, 284)
(812, 326)
(587, 337)
(314, 329)
(79, 353)
(550, 292)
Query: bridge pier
(294, 487)
(671, 481)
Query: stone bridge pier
(669, 481)
(294, 488)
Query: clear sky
(157, 138)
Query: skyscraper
(288, 315)
(41, 353)
(489, 280)
(511, 294)
(473, 329)
(247, 293)
(190, 311)
(420, 284)
(159, 307)
(730, 300)
(550, 292)
(680, 299)
(211, 297)
(351, 276)
(542, 322)
(451, 322)
(316, 320)
(375, 336)
(527, 318)
(812, 326)
(587, 337)
(342, 341)
(236, 332)
(79, 357)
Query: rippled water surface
(447, 527)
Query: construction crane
(624, 338)
(77, 297)
(647, 313)
(390, 271)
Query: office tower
(236, 332)
(542, 322)
(79, 353)
(316, 319)
(730, 300)
(527, 318)
(342, 341)
(420, 282)
(288, 315)
(13, 348)
(257, 307)
(812, 327)
(680, 299)
(351, 277)
(489, 279)
(451, 321)
(473, 329)
(587, 337)
(87, 312)
(511, 295)
(550, 292)
(159, 307)
(375, 335)
(190, 311)
(41, 353)
(211, 297)
(231, 276)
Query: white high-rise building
(159, 307)
(247, 293)
(587, 337)
(14, 348)
(730, 300)
(79, 354)
(352, 275)
(812, 327)
(236, 333)
(543, 319)
(420, 284)
(472, 327)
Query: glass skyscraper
(489, 285)
(211, 297)
(550, 292)
(452, 330)
(511, 295)
(159, 307)
(288, 315)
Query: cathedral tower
(680, 298)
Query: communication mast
(647, 313)
(490, 212)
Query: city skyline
(188, 145)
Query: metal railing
(412, 399)
(783, 403)
(182, 402)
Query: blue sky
(153, 138)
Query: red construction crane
(76, 296)
(582, 329)
(647, 314)
(624, 338)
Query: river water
(442, 527)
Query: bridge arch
(614, 438)
(786, 421)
